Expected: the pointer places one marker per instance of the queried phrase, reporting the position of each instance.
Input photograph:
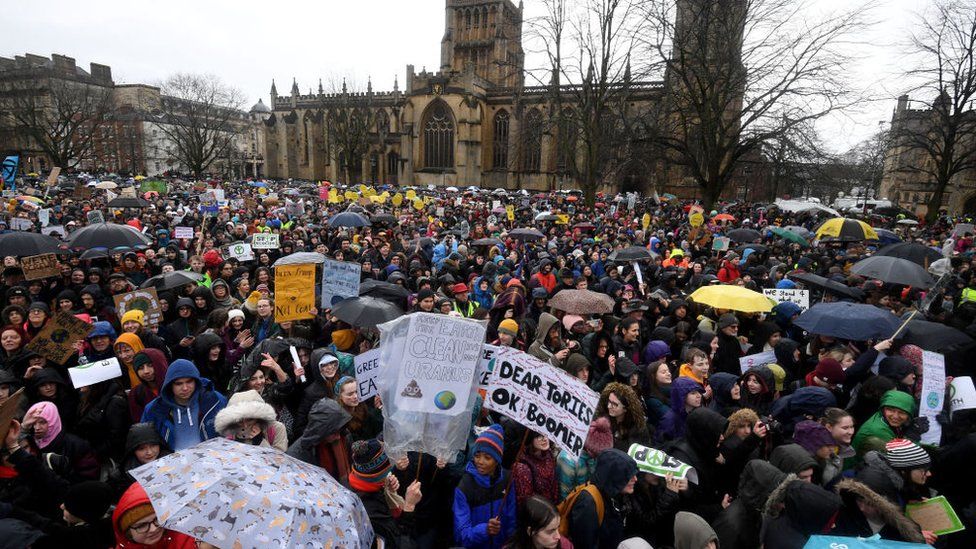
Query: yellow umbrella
(842, 228)
(735, 298)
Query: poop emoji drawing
(412, 390)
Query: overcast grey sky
(249, 43)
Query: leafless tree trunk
(743, 73)
(201, 116)
(349, 123)
(945, 44)
(62, 117)
(790, 156)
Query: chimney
(101, 73)
(63, 63)
(902, 104)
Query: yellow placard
(294, 292)
(262, 190)
(334, 196)
(397, 199)
(562, 219)
(351, 195)
(696, 219)
(646, 221)
(510, 212)
(411, 194)
(418, 204)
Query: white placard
(367, 368)
(55, 230)
(340, 279)
(95, 372)
(657, 463)
(44, 216)
(542, 398)
(95, 216)
(241, 251)
(758, 359)
(183, 232)
(933, 394)
(21, 224)
(962, 394)
(782, 295)
(487, 363)
(266, 241)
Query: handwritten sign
(95, 372)
(183, 232)
(782, 295)
(21, 224)
(510, 212)
(145, 300)
(721, 243)
(489, 353)
(266, 241)
(241, 251)
(367, 368)
(95, 216)
(40, 266)
(294, 292)
(56, 341)
(340, 279)
(962, 394)
(542, 398)
(440, 358)
(935, 515)
(758, 359)
(657, 463)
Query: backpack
(566, 506)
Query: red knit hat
(830, 371)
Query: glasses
(612, 404)
(144, 527)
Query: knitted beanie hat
(902, 453)
(509, 327)
(89, 500)
(830, 371)
(134, 315)
(134, 515)
(369, 461)
(599, 437)
(491, 442)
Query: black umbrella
(744, 235)
(22, 244)
(95, 253)
(348, 219)
(854, 321)
(127, 202)
(488, 242)
(830, 286)
(894, 270)
(932, 336)
(384, 218)
(394, 293)
(633, 253)
(175, 279)
(912, 251)
(758, 248)
(108, 235)
(525, 234)
(365, 311)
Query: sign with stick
(294, 292)
(40, 266)
(56, 341)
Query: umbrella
(172, 280)
(789, 235)
(906, 222)
(894, 270)
(241, 495)
(384, 218)
(365, 311)
(348, 219)
(108, 235)
(887, 237)
(585, 226)
(735, 298)
(723, 217)
(300, 258)
(94, 253)
(23, 243)
(854, 321)
(633, 253)
(127, 202)
(394, 293)
(842, 228)
(582, 302)
(912, 251)
(356, 208)
(106, 185)
(525, 234)
(757, 248)
(932, 336)
(499, 210)
(260, 184)
(546, 216)
(802, 231)
(744, 235)
(489, 242)
(831, 286)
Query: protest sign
(145, 300)
(294, 209)
(294, 292)
(367, 367)
(44, 216)
(40, 266)
(758, 359)
(962, 394)
(542, 398)
(95, 372)
(20, 224)
(782, 295)
(510, 212)
(95, 216)
(266, 241)
(935, 515)
(52, 178)
(657, 463)
(183, 232)
(720, 243)
(57, 231)
(241, 251)
(56, 341)
(933, 395)
(340, 279)
(489, 354)
(440, 358)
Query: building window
(438, 137)
(532, 141)
(392, 167)
(565, 142)
(499, 142)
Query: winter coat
(614, 469)
(760, 402)
(477, 499)
(792, 459)
(721, 384)
(535, 474)
(539, 348)
(806, 401)
(727, 355)
(250, 405)
(66, 397)
(142, 394)
(134, 497)
(219, 371)
(672, 425)
(852, 522)
(139, 434)
(876, 431)
(105, 423)
(165, 413)
(699, 448)
(738, 525)
(326, 427)
(691, 531)
(34, 487)
(807, 510)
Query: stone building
(910, 188)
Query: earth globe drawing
(445, 400)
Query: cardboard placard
(9, 409)
(266, 241)
(367, 368)
(95, 216)
(56, 341)
(183, 232)
(294, 292)
(340, 279)
(936, 515)
(95, 372)
(758, 359)
(52, 178)
(40, 266)
(782, 295)
(144, 299)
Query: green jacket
(876, 430)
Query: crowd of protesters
(814, 443)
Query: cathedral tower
(484, 36)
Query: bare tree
(349, 123)
(945, 44)
(743, 73)
(201, 116)
(866, 160)
(62, 117)
(791, 156)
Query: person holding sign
(484, 507)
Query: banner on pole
(340, 279)
(294, 292)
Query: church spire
(369, 84)
(320, 86)
(274, 90)
(294, 87)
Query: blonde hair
(741, 418)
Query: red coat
(728, 272)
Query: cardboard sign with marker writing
(56, 341)
(52, 178)
(145, 300)
(40, 266)
(294, 292)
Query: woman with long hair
(534, 472)
(538, 526)
(620, 404)
(367, 421)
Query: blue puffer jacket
(478, 498)
(163, 410)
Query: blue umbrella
(349, 219)
(261, 184)
(887, 237)
(854, 321)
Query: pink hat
(49, 413)
(570, 320)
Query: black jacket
(699, 448)
(614, 470)
(738, 525)
(105, 422)
(807, 510)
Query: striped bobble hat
(902, 453)
(491, 442)
(369, 461)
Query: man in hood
(738, 525)
(186, 407)
(615, 475)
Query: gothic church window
(532, 141)
(499, 142)
(438, 136)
